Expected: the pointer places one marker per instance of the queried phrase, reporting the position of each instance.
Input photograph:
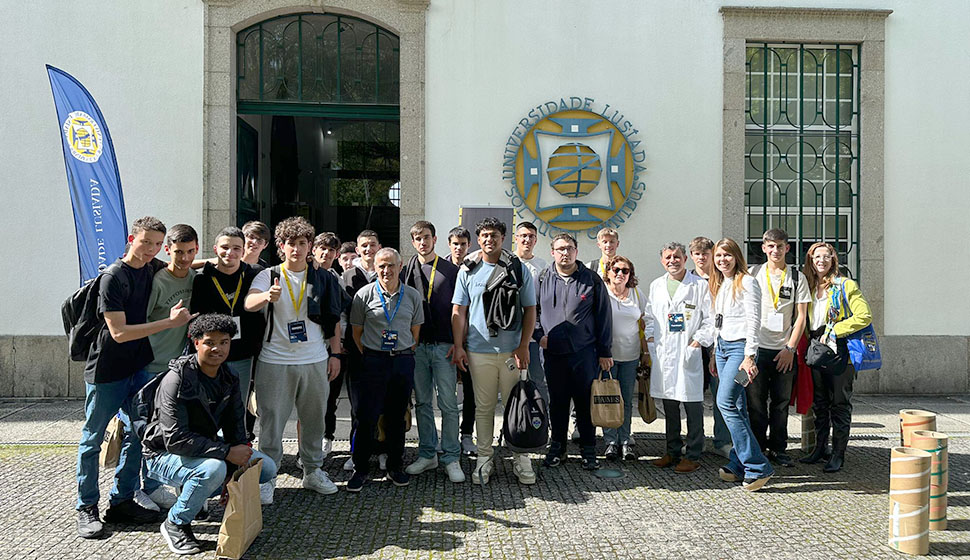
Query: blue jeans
(101, 402)
(626, 373)
(244, 371)
(434, 373)
(722, 436)
(200, 478)
(746, 459)
(537, 373)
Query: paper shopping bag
(114, 437)
(243, 519)
(606, 402)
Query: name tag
(675, 322)
(784, 292)
(690, 306)
(238, 323)
(775, 322)
(297, 331)
(388, 340)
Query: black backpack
(81, 319)
(526, 423)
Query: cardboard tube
(912, 420)
(909, 500)
(935, 443)
(808, 431)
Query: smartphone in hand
(742, 378)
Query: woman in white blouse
(629, 347)
(737, 320)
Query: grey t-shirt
(368, 312)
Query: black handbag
(821, 357)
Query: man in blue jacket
(575, 332)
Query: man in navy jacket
(575, 332)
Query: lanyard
(602, 266)
(297, 303)
(235, 298)
(434, 268)
(400, 296)
(771, 290)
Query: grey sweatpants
(278, 388)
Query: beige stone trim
(819, 25)
(224, 18)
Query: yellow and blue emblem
(574, 169)
(83, 136)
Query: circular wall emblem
(573, 168)
(83, 136)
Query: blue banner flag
(92, 175)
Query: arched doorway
(318, 124)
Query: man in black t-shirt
(114, 372)
(221, 288)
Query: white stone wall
(142, 61)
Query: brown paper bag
(243, 519)
(381, 436)
(114, 437)
(606, 402)
(645, 403)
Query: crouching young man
(197, 397)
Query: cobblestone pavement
(569, 513)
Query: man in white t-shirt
(526, 235)
(294, 366)
(784, 307)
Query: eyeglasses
(621, 270)
(564, 249)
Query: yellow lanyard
(297, 303)
(771, 290)
(434, 268)
(602, 267)
(235, 298)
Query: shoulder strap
(274, 274)
(515, 268)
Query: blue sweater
(576, 314)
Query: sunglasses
(621, 270)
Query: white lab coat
(678, 369)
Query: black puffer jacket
(181, 422)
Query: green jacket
(859, 316)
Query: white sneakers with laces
(522, 467)
(266, 491)
(455, 474)
(318, 481)
(421, 465)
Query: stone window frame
(867, 28)
(224, 18)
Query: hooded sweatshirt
(574, 314)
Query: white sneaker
(318, 481)
(455, 473)
(482, 472)
(163, 496)
(421, 465)
(327, 447)
(522, 467)
(266, 491)
(382, 461)
(349, 465)
(144, 501)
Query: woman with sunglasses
(837, 309)
(737, 320)
(627, 303)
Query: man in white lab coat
(679, 323)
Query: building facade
(836, 121)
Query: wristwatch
(790, 349)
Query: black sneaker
(356, 482)
(179, 538)
(399, 478)
(611, 452)
(591, 463)
(781, 459)
(130, 512)
(89, 525)
(553, 459)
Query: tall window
(802, 148)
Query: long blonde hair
(740, 268)
(809, 268)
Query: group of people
(194, 352)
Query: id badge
(675, 322)
(784, 292)
(388, 340)
(238, 323)
(775, 321)
(297, 331)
